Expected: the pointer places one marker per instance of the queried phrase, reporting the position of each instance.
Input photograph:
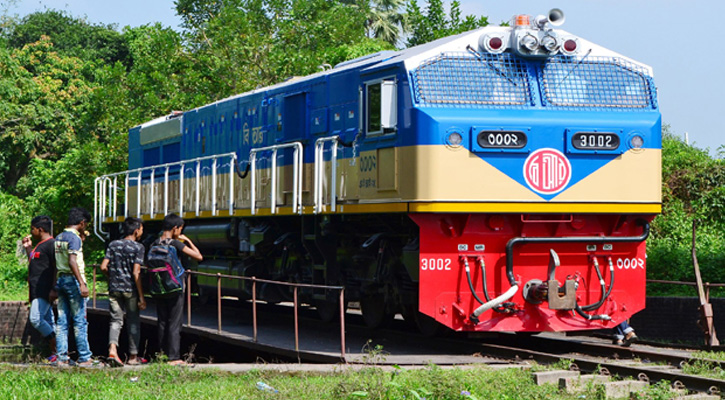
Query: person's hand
(27, 242)
(183, 238)
(141, 303)
(52, 296)
(84, 290)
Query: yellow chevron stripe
(566, 208)
(430, 207)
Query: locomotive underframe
(378, 258)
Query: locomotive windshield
(462, 78)
(595, 82)
(503, 80)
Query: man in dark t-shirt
(41, 278)
(122, 263)
(170, 309)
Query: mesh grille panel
(596, 82)
(467, 79)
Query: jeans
(71, 305)
(622, 329)
(170, 311)
(118, 302)
(41, 316)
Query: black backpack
(166, 273)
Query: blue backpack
(166, 273)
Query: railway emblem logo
(547, 171)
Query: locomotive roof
(412, 57)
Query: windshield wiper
(572, 69)
(480, 57)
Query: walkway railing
(106, 189)
(320, 172)
(254, 281)
(297, 172)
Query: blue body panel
(327, 104)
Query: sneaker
(630, 338)
(618, 342)
(52, 360)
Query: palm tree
(385, 20)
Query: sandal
(89, 364)
(137, 361)
(180, 363)
(114, 361)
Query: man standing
(72, 289)
(41, 278)
(170, 308)
(122, 264)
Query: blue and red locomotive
(498, 180)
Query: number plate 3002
(595, 141)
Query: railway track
(585, 353)
(639, 362)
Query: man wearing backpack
(170, 302)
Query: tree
(385, 20)
(71, 36)
(424, 27)
(244, 44)
(42, 97)
(693, 188)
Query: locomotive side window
(381, 97)
(374, 102)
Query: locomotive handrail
(97, 228)
(296, 176)
(320, 172)
(570, 239)
(102, 209)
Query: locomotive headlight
(454, 139)
(550, 43)
(636, 142)
(529, 42)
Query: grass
(159, 381)
(164, 382)
(703, 367)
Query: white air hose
(497, 301)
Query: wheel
(428, 326)
(374, 312)
(206, 295)
(328, 311)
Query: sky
(673, 37)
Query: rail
(707, 285)
(320, 172)
(105, 190)
(297, 165)
(254, 281)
